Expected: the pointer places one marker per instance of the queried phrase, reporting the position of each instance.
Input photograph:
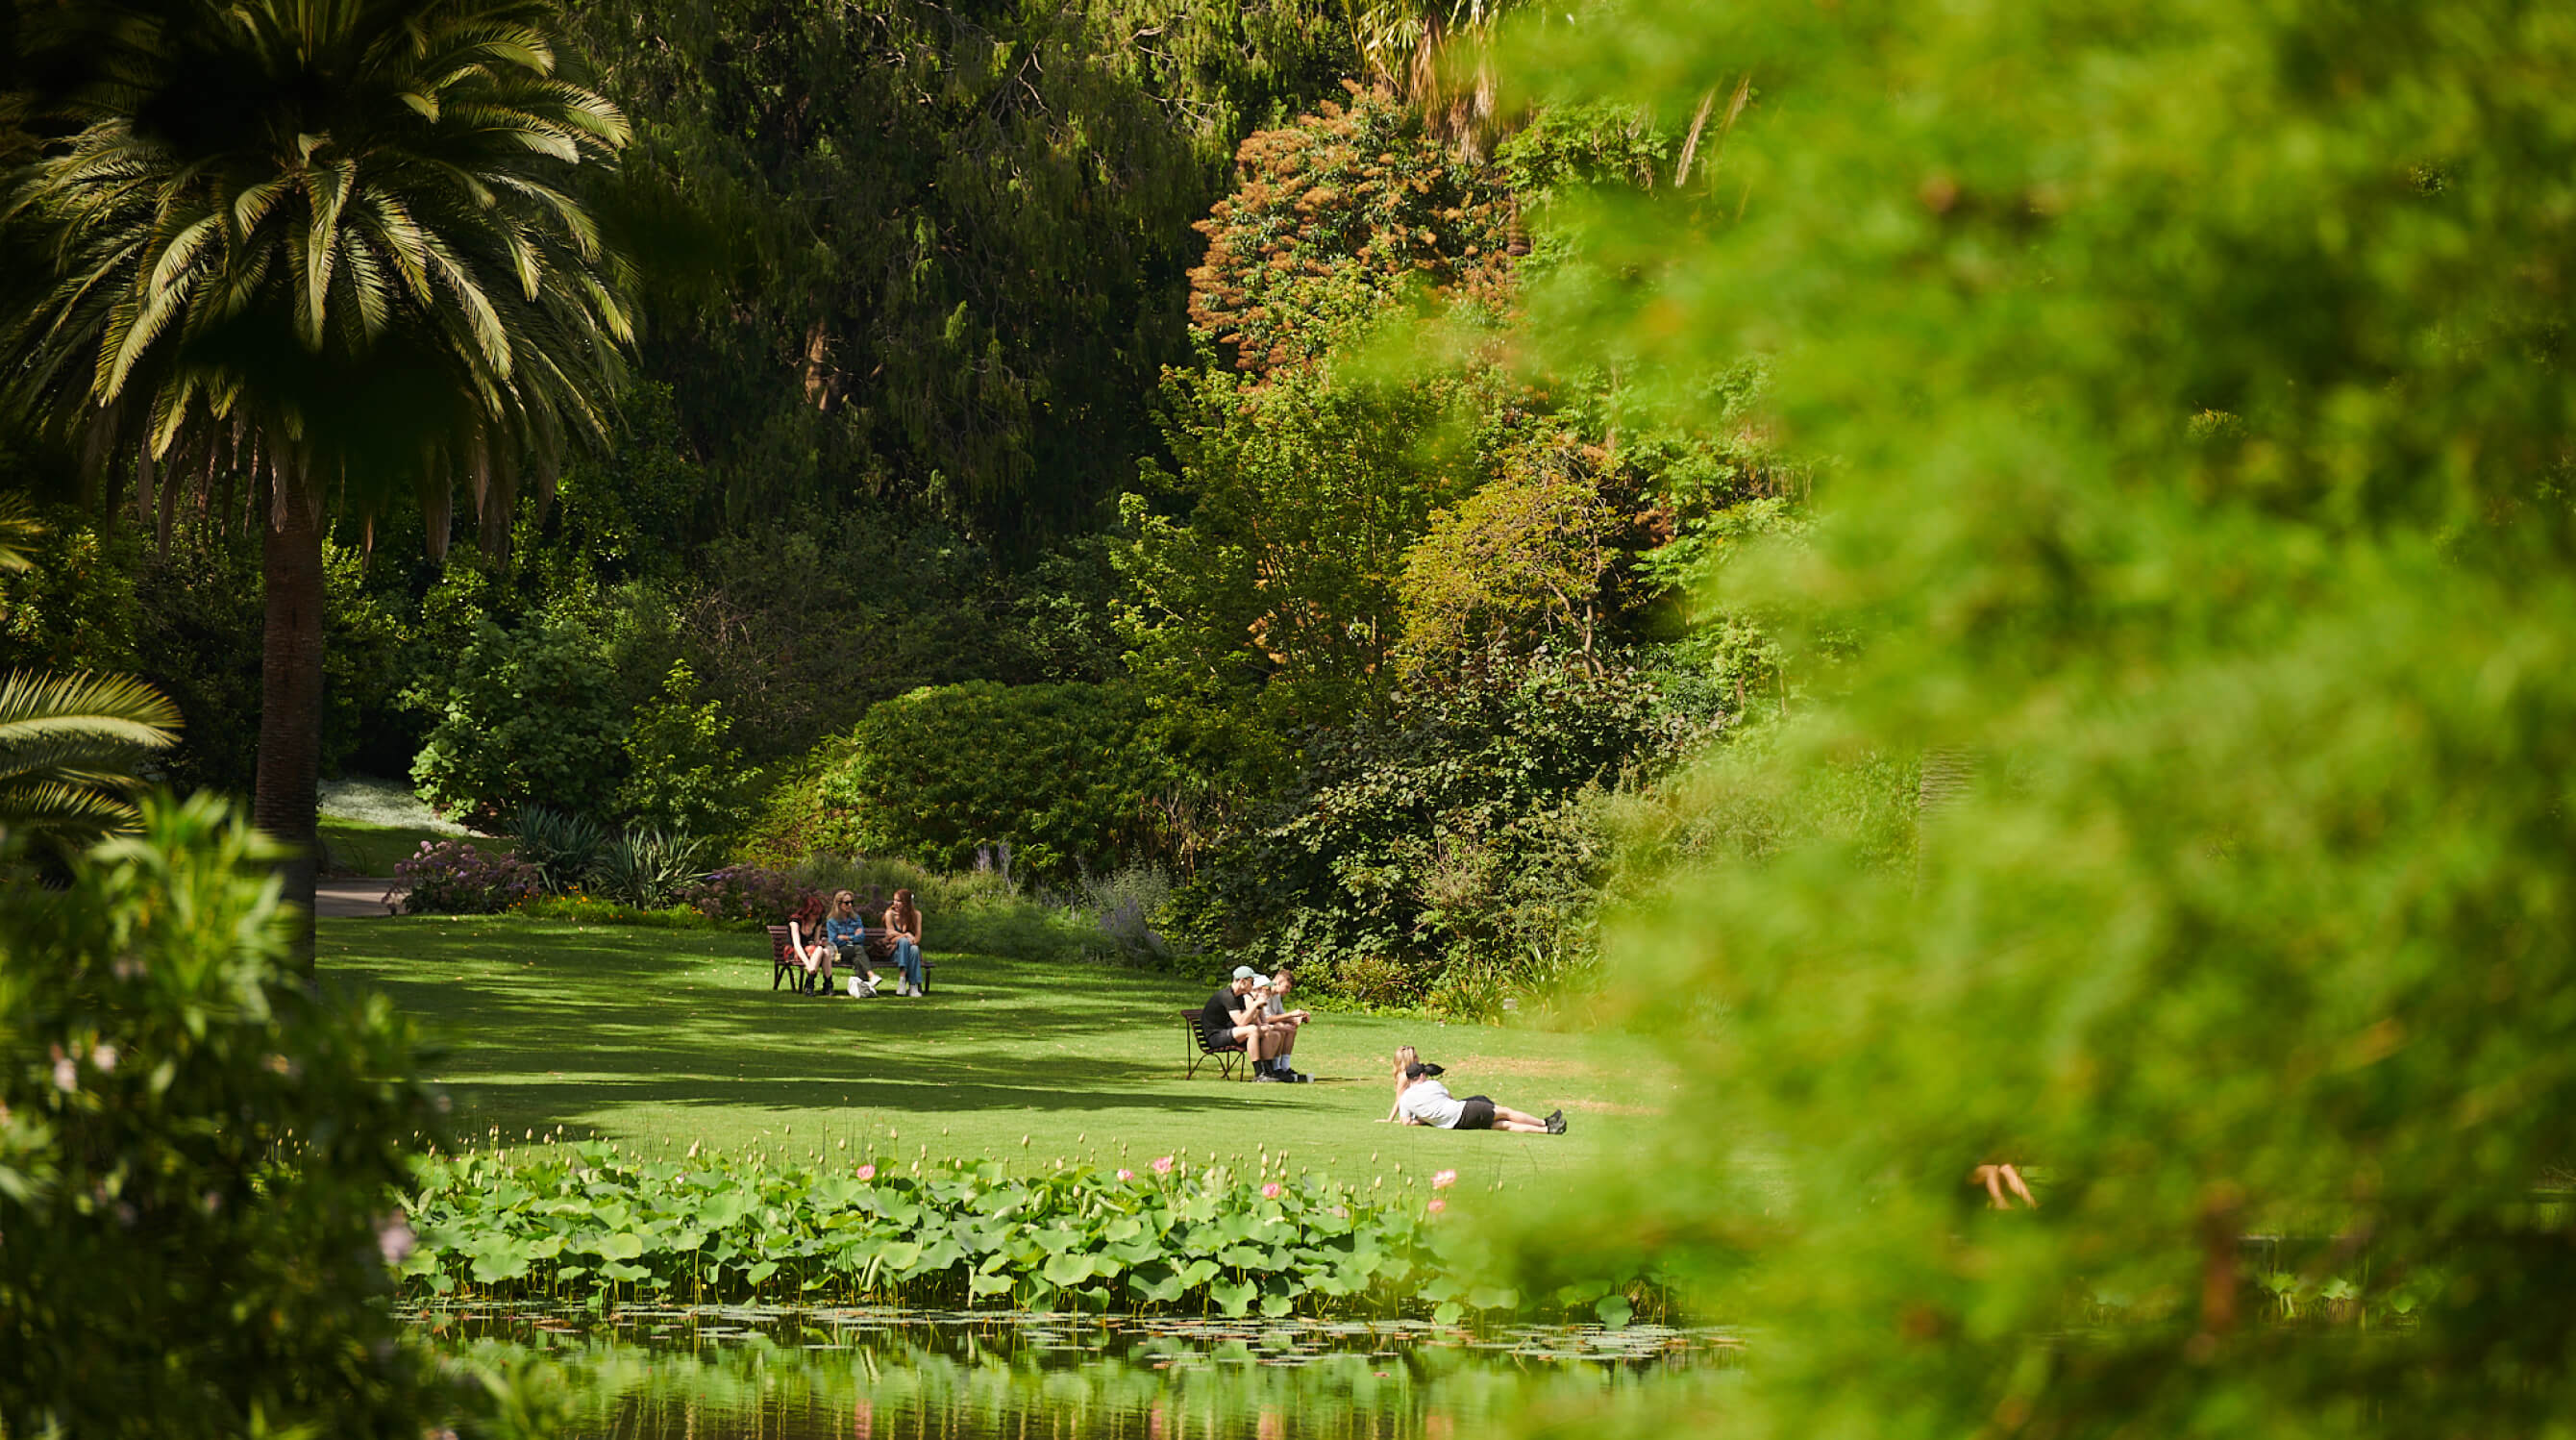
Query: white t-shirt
(1429, 1102)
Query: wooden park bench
(782, 956)
(1199, 1051)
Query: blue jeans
(908, 955)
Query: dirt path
(350, 898)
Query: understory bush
(1448, 852)
(198, 1154)
(455, 877)
(754, 894)
(1123, 907)
(585, 1222)
(525, 715)
(1060, 773)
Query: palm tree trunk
(290, 705)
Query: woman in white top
(1425, 1101)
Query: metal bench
(1199, 1051)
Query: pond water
(716, 1373)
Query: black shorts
(1478, 1114)
(1220, 1040)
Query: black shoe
(1556, 1123)
(1264, 1075)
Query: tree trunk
(290, 702)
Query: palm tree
(69, 743)
(307, 253)
(1438, 55)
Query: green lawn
(354, 847)
(668, 1038)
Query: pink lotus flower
(394, 1239)
(1270, 1191)
(1125, 1175)
(1436, 1206)
(1163, 1166)
(1444, 1179)
(867, 1172)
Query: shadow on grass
(686, 1019)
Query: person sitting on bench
(903, 930)
(815, 954)
(1425, 1101)
(1284, 1023)
(846, 931)
(1231, 1020)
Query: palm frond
(107, 709)
(19, 530)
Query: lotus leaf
(1233, 1298)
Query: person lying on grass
(1232, 1020)
(1425, 1101)
(1283, 1023)
(1405, 1057)
(846, 931)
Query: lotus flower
(394, 1239)
(1444, 1179)
(1126, 1175)
(867, 1172)
(1270, 1191)
(1163, 1166)
(1436, 1206)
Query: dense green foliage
(583, 1221)
(2194, 387)
(1054, 772)
(953, 238)
(1449, 850)
(528, 716)
(196, 1156)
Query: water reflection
(714, 1374)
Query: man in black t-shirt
(1231, 1021)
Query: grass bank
(663, 1039)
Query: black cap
(1419, 1071)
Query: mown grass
(355, 847)
(661, 1039)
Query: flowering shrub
(452, 877)
(755, 894)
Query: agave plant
(564, 848)
(647, 868)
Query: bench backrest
(780, 937)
